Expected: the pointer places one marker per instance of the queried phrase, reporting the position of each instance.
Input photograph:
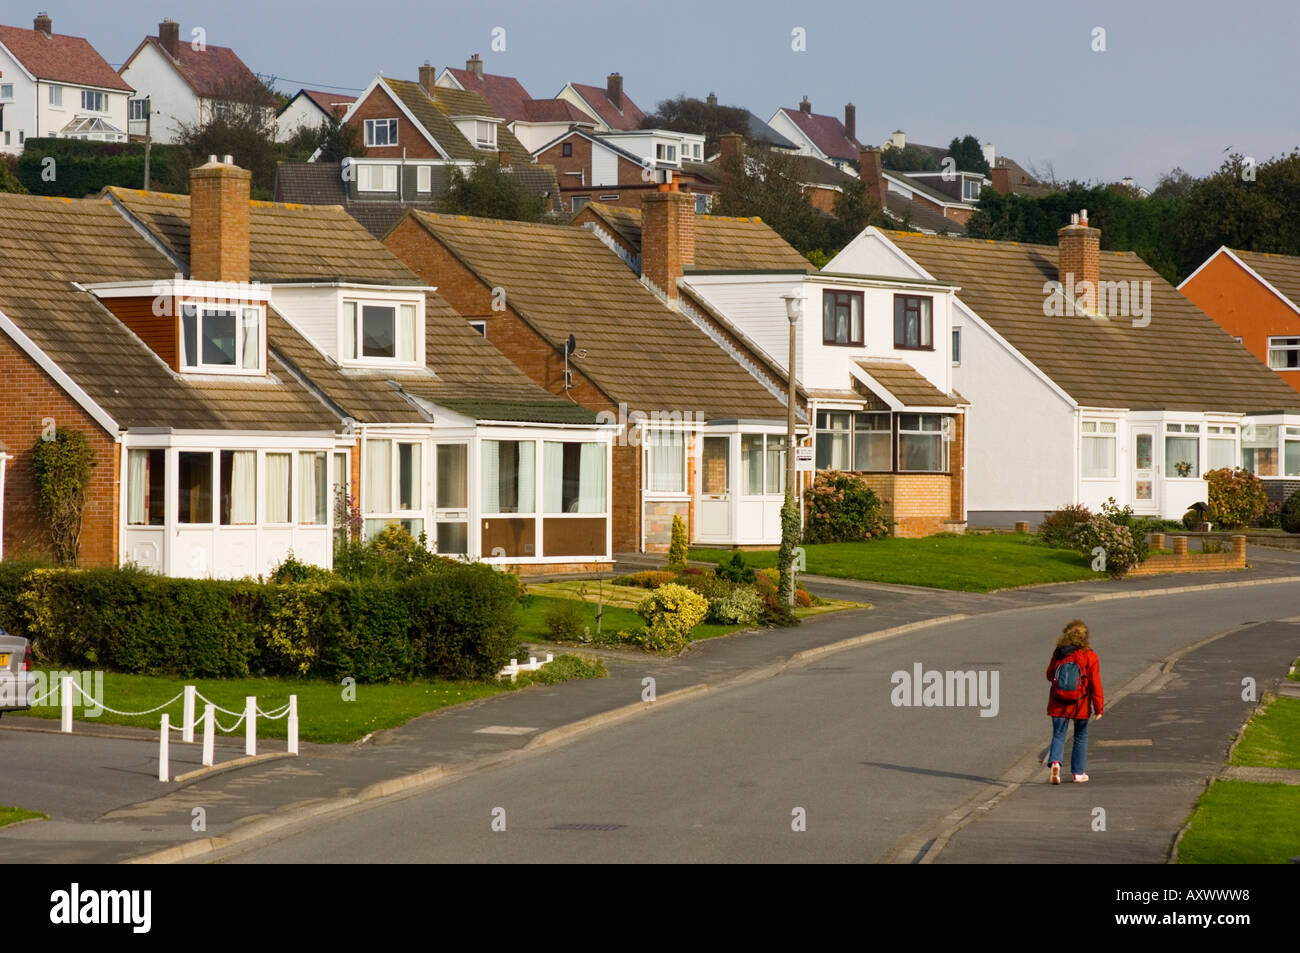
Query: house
(52, 84)
(619, 168)
(309, 109)
(701, 425)
(1086, 375)
(186, 84)
(914, 206)
(825, 137)
(610, 108)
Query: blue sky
(1178, 84)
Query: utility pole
(790, 509)
(148, 138)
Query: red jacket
(1089, 673)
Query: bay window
(194, 487)
(574, 477)
(1182, 450)
(665, 461)
(146, 487)
(762, 464)
(834, 439)
(374, 330)
(1221, 446)
(1259, 449)
(1291, 461)
(872, 442)
(393, 476)
(842, 318)
(1098, 449)
(921, 444)
(776, 464)
(279, 488)
(313, 488)
(913, 323)
(508, 476)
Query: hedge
(457, 621)
(83, 167)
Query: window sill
(843, 343)
(904, 347)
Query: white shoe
(1080, 778)
(1056, 774)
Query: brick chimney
(1079, 256)
(43, 24)
(614, 90)
(475, 65)
(872, 177)
(219, 221)
(805, 106)
(712, 100)
(667, 237)
(169, 35)
(503, 159)
(732, 144)
(1001, 176)
(427, 76)
(851, 121)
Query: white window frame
(481, 141)
(942, 434)
(390, 132)
(394, 513)
(649, 439)
(241, 309)
(6, 96)
(1099, 430)
(1292, 346)
(98, 101)
(957, 340)
(137, 110)
(1183, 430)
(423, 178)
(361, 302)
(387, 175)
(56, 97)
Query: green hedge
(83, 167)
(456, 621)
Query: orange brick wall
(1184, 561)
(1079, 253)
(219, 209)
(380, 105)
(27, 396)
(1243, 307)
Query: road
(720, 778)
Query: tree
(688, 114)
(968, 155)
(241, 124)
(766, 184)
(1175, 184)
(331, 141)
(910, 158)
(490, 191)
(61, 465)
(9, 175)
(854, 211)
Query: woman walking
(1075, 674)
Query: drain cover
(588, 827)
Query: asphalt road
(720, 778)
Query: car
(17, 680)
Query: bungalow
(309, 109)
(701, 433)
(1086, 374)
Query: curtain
(349, 330)
(406, 333)
(591, 479)
(243, 486)
(137, 485)
(527, 464)
(553, 477)
(452, 476)
(1182, 450)
(667, 456)
(491, 476)
(312, 488)
(409, 478)
(751, 464)
(1098, 456)
(379, 476)
(252, 341)
(1223, 453)
(277, 487)
(776, 463)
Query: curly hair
(1074, 634)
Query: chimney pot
(228, 160)
(219, 222)
(169, 36)
(43, 24)
(805, 106)
(475, 65)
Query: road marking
(504, 730)
(1125, 743)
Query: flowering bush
(1057, 527)
(1237, 495)
(1119, 553)
(841, 508)
(670, 612)
(739, 607)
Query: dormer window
(380, 331)
(665, 152)
(221, 338)
(485, 134)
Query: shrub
(739, 607)
(735, 570)
(1139, 527)
(294, 570)
(803, 598)
(61, 468)
(670, 613)
(563, 668)
(841, 508)
(1271, 518)
(1057, 527)
(646, 579)
(565, 620)
(1237, 496)
(678, 548)
(1115, 540)
(1289, 515)
(710, 587)
(1209, 544)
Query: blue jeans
(1079, 754)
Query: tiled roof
(68, 59)
(47, 244)
(331, 104)
(553, 110)
(759, 131)
(908, 384)
(721, 243)
(1022, 183)
(813, 171)
(914, 215)
(1182, 360)
(434, 113)
(213, 71)
(563, 281)
(627, 118)
(506, 94)
(1280, 271)
(826, 133)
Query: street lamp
(789, 510)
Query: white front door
(1146, 486)
(715, 489)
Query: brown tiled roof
(628, 118)
(331, 104)
(434, 114)
(914, 215)
(564, 281)
(506, 94)
(211, 72)
(721, 243)
(287, 242)
(48, 244)
(67, 59)
(826, 132)
(908, 384)
(1182, 360)
(1280, 271)
(457, 102)
(552, 110)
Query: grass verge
(1272, 738)
(1243, 822)
(12, 815)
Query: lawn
(1243, 822)
(12, 815)
(323, 715)
(1272, 739)
(970, 563)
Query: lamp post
(790, 510)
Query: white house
(1087, 375)
(309, 109)
(184, 83)
(57, 85)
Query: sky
(1177, 83)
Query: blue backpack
(1068, 683)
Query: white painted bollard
(164, 737)
(65, 698)
(187, 725)
(209, 713)
(250, 725)
(293, 724)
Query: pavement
(101, 790)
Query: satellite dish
(571, 345)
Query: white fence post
(65, 697)
(187, 725)
(250, 725)
(163, 738)
(209, 713)
(293, 724)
